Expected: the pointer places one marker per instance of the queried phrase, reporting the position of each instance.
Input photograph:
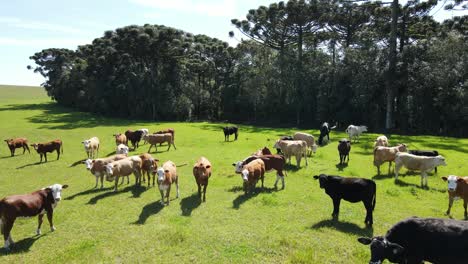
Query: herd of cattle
(409, 241)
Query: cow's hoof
(38, 232)
(52, 229)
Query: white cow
(423, 164)
(290, 148)
(355, 131)
(122, 149)
(91, 147)
(145, 132)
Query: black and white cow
(350, 189)
(415, 240)
(325, 131)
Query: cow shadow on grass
(34, 164)
(344, 227)
(341, 166)
(136, 192)
(236, 203)
(90, 191)
(147, 211)
(427, 188)
(21, 246)
(190, 203)
(289, 167)
(76, 163)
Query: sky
(29, 26)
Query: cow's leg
(204, 191)
(389, 167)
(435, 169)
(128, 179)
(177, 187)
(397, 169)
(262, 178)
(50, 214)
(368, 205)
(27, 148)
(24, 149)
(423, 176)
(97, 179)
(169, 146)
(199, 190)
(58, 153)
(39, 223)
(162, 196)
(450, 205)
(168, 192)
(116, 183)
(102, 181)
(45, 156)
(7, 225)
(307, 163)
(336, 207)
(278, 177)
(150, 148)
(464, 205)
(40, 155)
(348, 158)
(174, 145)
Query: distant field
(292, 225)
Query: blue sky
(28, 26)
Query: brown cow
(43, 148)
(272, 162)
(202, 172)
(14, 143)
(37, 203)
(457, 188)
(120, 139)
(148, 165)
(168, 130)
(167, 175)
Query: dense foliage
(304, 62)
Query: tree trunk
(391, 67)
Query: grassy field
(286, 226)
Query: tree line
(389, 66)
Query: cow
(262, 151)
(355, 131)
(167, 175)
(202, 173)
(415, 240)
(350, 189)
(122, 168)
(144, 132)
(229, 130)
(251, 173)
(325, 131)
(37, 203)
(14, 143)
(91, 147)
(428, 153)
(97, 167)
(420, 163)
(278, 150)
(381, 141)
(308, 138)
(298, 148)
(167, 130)
(134, 137)
(120, 139)
(148, 166)
(457, 188)
(344, 147)
(43, 148)
(154, 139)
(272, 162)
(384, 154)
(122, 149)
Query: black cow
(415, 240)
(134, 137)
(350, 189)
(229, 131)
(344, 147)
(428, 153)
(325, 131)
(278, 151)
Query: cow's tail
(1, 218)
(180, 165)
(61, 147)
(374, 200)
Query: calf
(384, 154)
(148, 166)
(344, 147)
(278, 150)
(167, 130)
(415, 240)
(355, 131)
(91, 147)
(43, 148)
(381, 141)
(98, 167)
(167, 175)
(457, 188)
(420, 163)
(350, 189)
(122, 149)
(14, 143)
(263, 151)
(37, 203)
(229, 130)
(202, 172)
(428, 153)
(297, 148)
(120, 139)
(251, 173)
(134, 137)
(159, 138)
(308, 138)
(325, 131)
(124, 167)
(272, 162)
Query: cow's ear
(316, 177)
(156, 160)
(234, 164)
(64, 186)
(444, 178)
(460, 180)
(395, 251)
(364, 240)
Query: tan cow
(148, 166)
(381, 141)
(202, 172)
(457, 188)
(297, 148)
(251, 173)
(384, 154)
(120, 139)
(98, 167)
(423, 164)
(308, 138)
(154, 139)
(124, 167)
(91, 147)
(167, 175)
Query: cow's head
(35, 146)
(363, 128)
(382, 249)
(452, 182)
(8, 141)
(56, 191)
(440, 161)
(89, 163)
(402, 147)
(110, 171)
(238, 166)
(86, 143)
(323, 180)
(266, 151)
(162, 174)
(245, 175)
(276, 145)
(202, 169)
(122, 149)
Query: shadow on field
(136, 192)
(147, 211)
(188, 204)
(344, 227)
(405, 184)
(54, 116)
(236, 203)
(383, 176)
(33, 164)
(289, 167)
(21, 246)
(76, 163)
(340, 167)
(90, 191)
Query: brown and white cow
(272, 162)
(14, 143)
(148, 166)
(37, 203)
(43, 148)
(167, 175)
(98, 167)
(384, 154)
(457, 188)
(202, 172)
(122, 168)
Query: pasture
(286, 226)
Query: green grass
(287, 226)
